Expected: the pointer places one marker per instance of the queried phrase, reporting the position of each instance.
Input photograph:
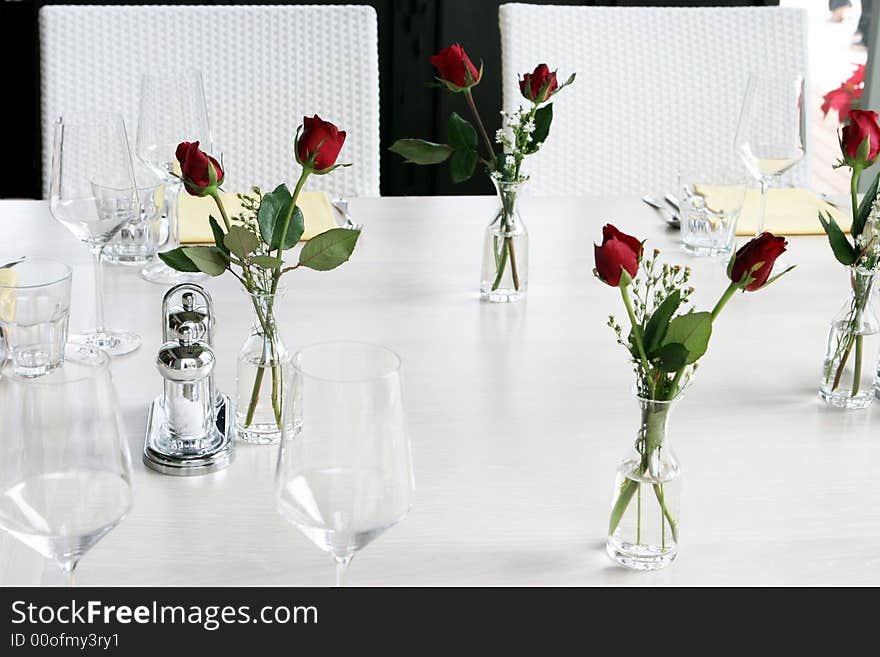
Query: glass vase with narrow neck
(849, 371)
(505, 273)
(644, 525)
(264, 370)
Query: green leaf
(627, 490)
(267, 262)
(329, 249)
(209, 259)
(273, 211)
(219, 235)
(672, 357)
(655, 329)
(419, 151)
(461, 134)
(844, 251)
(177, 260)
(241, 242)
(692, 331)
(272, 207)
(462, 165)
(294, 231)
(865, 208)
(543, 119)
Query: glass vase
(849, 370)
(264, 369)
(505, 274)
(644, 524)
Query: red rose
(194, 165)
(539, 85)
(862, 125)
(762, 250)
(320, 139)
(840, 100)
(618, 252)
(454, 66)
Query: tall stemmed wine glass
(92, 192)
(771, 136)
(65, 470)
(344, 469)
(172, 110)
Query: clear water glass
(34, 311)
(711, 202)
(65, 469)
(344, 469)
(92, 193)
(138, 241)
(172, 110)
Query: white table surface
(518, 416)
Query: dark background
(410, 31)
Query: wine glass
(92, 192)
(344, 468)
(771, 135)
(65, 470)
(172, 110)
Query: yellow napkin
(8, 278)
(790, 211)
(194, 211)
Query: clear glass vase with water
(262, 376)
(505, 274)
(643, 529)
(849, 370)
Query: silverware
(673, 202)
(341, 206)
(671, 218)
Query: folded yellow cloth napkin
(194, 212)
(8, 279)
(790, 211)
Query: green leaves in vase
(461, 149)
(252, 243)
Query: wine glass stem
(765, 188)
(69, 573)
(174, 187)
(342, 570)
(99, 287)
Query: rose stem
(857, 367)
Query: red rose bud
(320, 140)
(862, 126)
(455, 67)
(619, 252)
(201, 173)
(753, 263)
(539, 85)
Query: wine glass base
(113, 343)
(161, 274)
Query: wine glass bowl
(172, 110)
(65, 469)
(344, 469)
(771, 137)
(92, 193)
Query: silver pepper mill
(189, 426)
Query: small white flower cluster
(516, 136)
(869, 240)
